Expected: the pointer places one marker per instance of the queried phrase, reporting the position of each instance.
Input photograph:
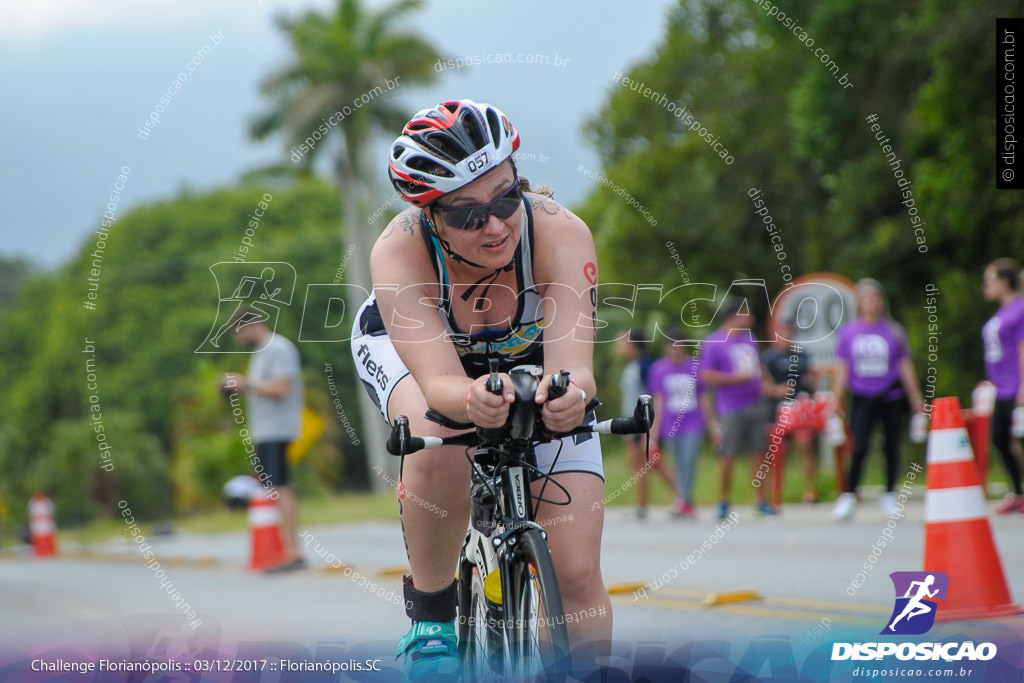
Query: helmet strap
(459, 258)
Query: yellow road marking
(715, 599)
(393, 571)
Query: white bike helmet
(448, 146)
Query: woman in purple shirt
(1003, 335)
(680, 403)
(874, 362)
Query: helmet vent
(444, 144)
(494, 124)
(427, 166)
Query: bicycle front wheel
(539, 638)
(480, 641)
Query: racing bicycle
(511, 623)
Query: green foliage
(156, 302)
(71, 470)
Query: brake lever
(494, 383)
(559, 385)
(643, 414)
(400, 435)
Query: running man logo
(914, 612)
(262, 287)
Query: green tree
(798, 134)
(716, 71)
(344, 66)
(926, 72)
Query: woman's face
(626, 349)
(871, 304)
(494, 244)
(675, 353)
(992, 285)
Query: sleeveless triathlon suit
(380, 368)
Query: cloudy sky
(80, 78)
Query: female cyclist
(480, 267)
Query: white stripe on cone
(959, 504)
(949, 445)
(40, 508)
(42, 527)
(263, 515)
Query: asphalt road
(799, 564)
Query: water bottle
(835, 431)
(492, 591)
(983, 398)
(919, 428)
(495, 614)
(1017, 424)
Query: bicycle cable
(546, 476)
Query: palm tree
(344, 70)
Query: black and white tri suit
(380, 368)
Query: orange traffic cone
(958, 539)
(978, 431)
(265, 532)
(41, 526)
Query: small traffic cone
(42, 527)
(267, 548)
(958, 538)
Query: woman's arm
(842, 374)
(909, 378)
(707, 406)
(657, 403)
(566, 274)
(1020, 366)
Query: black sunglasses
(472, 218)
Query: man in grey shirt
(273, 392)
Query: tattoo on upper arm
(593, 309)
(406, 222)
(409, 225)
(590, 272)
(551, 207)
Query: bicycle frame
(502, 509)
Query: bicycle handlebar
(401, 442)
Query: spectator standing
(633, 382)
(680, 403)
(730, 362)
(1003, 335)
(789, 377)
(874, 362)
(274, 399)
